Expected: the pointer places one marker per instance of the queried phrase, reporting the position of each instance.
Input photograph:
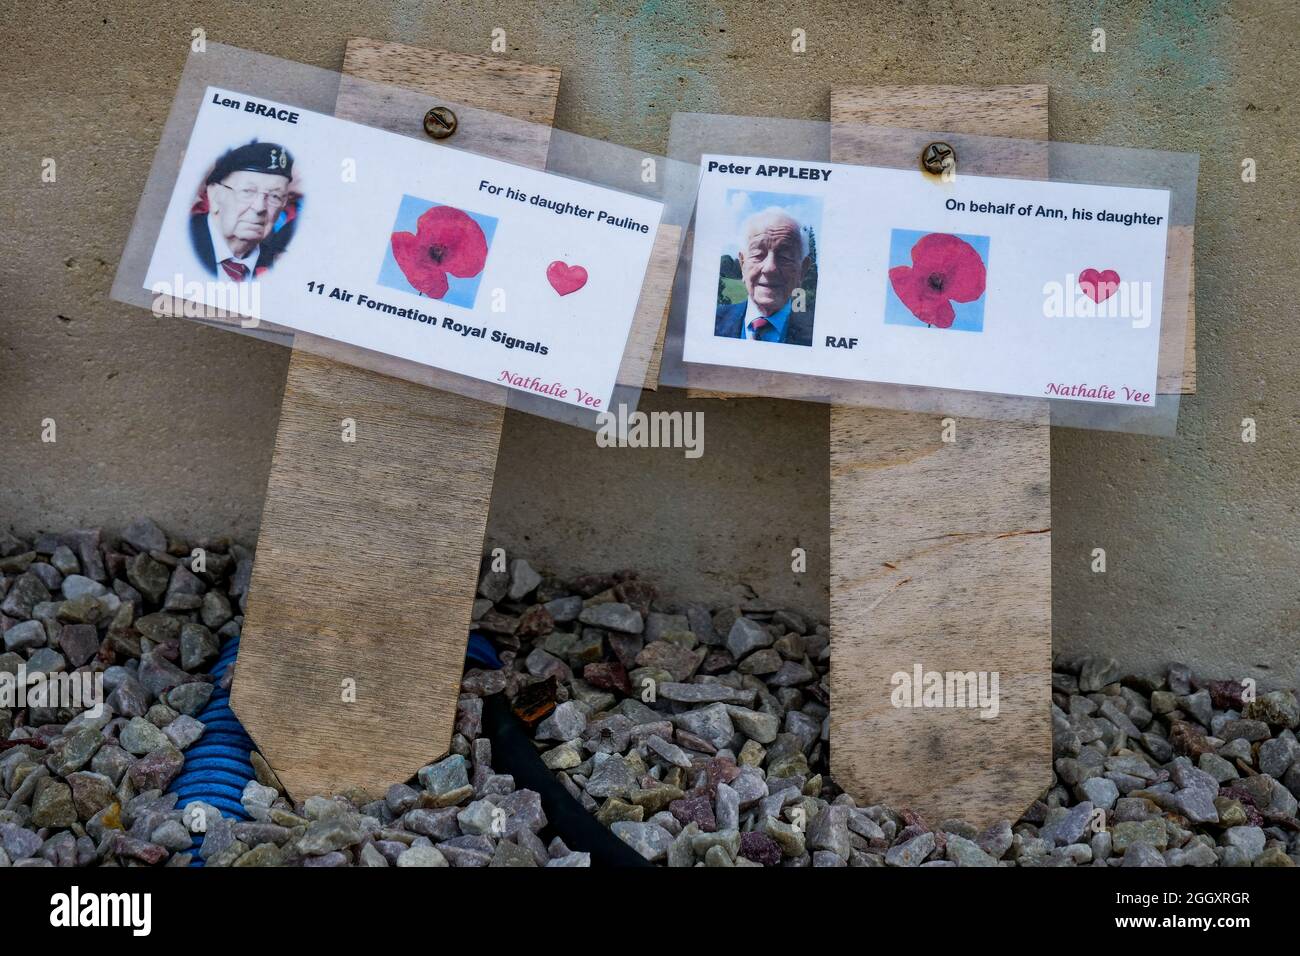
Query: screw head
(937, 157)
(440, 122)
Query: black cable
(513, 753)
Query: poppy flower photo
(437, 251)
(941, 269)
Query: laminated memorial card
(1010, 287)
(490, 270)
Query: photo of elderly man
(773, 264)
(245, 216)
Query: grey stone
(329, 834)
(1199, 706)
(613, 616)
(183, 731)
(1100, 792)
(79, 643)
(669, 752)
(611, 778)
(1071, 826)
(199, 647)
(65, 561)
(25, 635)
(523, 579)
(712, 723)
(141, 737)
(608, 733)
(172, 835)
(422, 856)
(52, 805)
(566, 722)
(756, 725)
(24, 594)
(726, 809)
(512, 855)
(46, 660)
(523, 810)
(747, 635)
(216, 610)
(144, 535)
(1097, 672)
(563, 610)
(695, 693)
(1278, 708)
(1143, 855)
(445, 776)
(829, 831)
(159, 675)
(911, 852)
(1252, 730)
(1276, 756)
(148, 576)
(967, 853)
(17, 842)
(77, 751)
(1194, 854)
(657, 625)
(790, 674)
(649, 839)
(1250, 840)
(189, 698)
(76, 585)
(1218, 768)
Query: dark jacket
(271, 246)
(731, 319)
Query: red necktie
(758, 325)
(236, 270)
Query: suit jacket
(271, 247)
(730, 323)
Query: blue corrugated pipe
(217, 768)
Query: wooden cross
(941, 552)
(368, 556)
(368, 553)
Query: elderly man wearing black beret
(246, 191)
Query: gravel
(695, 734)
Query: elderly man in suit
(245, 194)
(772, 261)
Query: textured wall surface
(162, 417)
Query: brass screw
(440, 122)
(937, 157)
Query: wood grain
(940, 552)
(368, 555)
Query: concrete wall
(162, 417)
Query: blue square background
(969, 315)
(461, 292)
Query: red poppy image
(446, 242)
(944, 269)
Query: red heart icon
(1098, 286)
(565, 278)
